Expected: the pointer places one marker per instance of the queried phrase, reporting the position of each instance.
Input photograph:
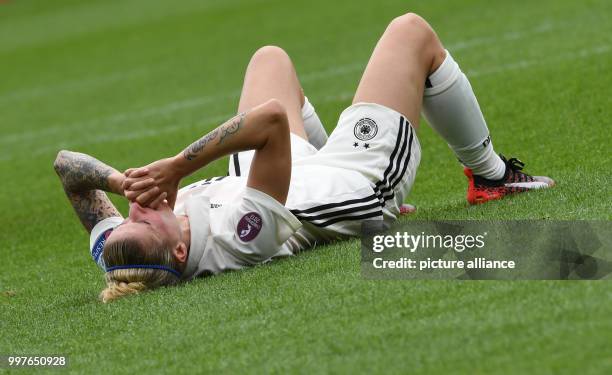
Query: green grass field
(132, 81)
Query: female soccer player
(293, 196)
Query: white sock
(313, 126)
(450, 107)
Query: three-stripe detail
(207, 181)
(398, 164)
(331, 213)
(384, 190)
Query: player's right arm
(85, 180)
(264, 128)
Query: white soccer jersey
(232, 226)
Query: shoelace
(516, 166)
(514, 163)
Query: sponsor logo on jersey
(249, 226)
(365, 129)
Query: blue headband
(150, 266)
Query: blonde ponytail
(126, 281)
(115, 290)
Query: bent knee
(270, 53)
(412, 24)
(409, 21)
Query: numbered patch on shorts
(365, 129)
(249, 226)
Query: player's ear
(180, 252)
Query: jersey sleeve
(98, 237)
(259, 226)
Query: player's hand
(151, 184)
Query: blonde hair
(130, 251)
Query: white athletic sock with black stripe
(313, 126)
(450, 107)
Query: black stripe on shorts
(347, 218)
(389, 191)
(350, 210)
(340, 211)
(333, 205)
(391, 176)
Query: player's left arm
(85, 180)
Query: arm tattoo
(196, 147)
(92, 207)
(80, 172)
(228, 128)
(232, 126)
(84, 178)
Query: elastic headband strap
(149, 266)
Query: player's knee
(412, 25)
(269, 54)
(409, 21)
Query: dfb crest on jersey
(365, 129)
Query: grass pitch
(131, 81)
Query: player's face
(144, 223)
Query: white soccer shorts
(373, 140)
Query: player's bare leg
(405, 55)
(410, 69)
(270, 74)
